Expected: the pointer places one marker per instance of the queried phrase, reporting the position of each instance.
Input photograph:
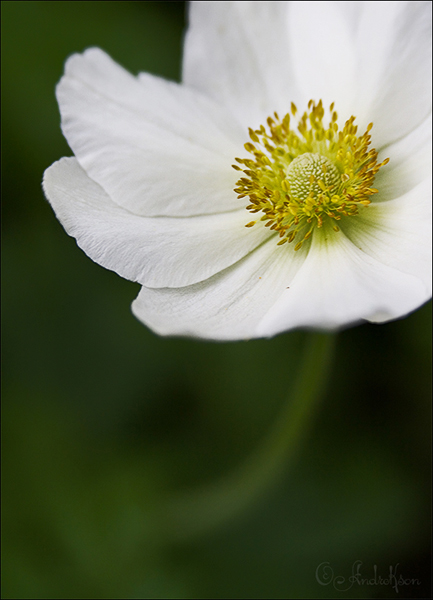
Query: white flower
(150, 195)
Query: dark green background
(103, 420)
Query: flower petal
(397, 233)
(410, 163)
(238, 54)
(154, 251)
(229, 305)
(155, 147)
(362, 56)
(339, 285)
(323, 53)
(393, 41)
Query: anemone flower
(283, 184)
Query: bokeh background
(103, 421)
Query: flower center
(300, 180)
(306, 170)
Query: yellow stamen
(307, 178)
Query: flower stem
(202, 510)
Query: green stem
(202, 510)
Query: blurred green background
(103, 421)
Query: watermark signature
(325, 576)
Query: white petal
(323, 51)
(410, 163)
(397, 233)
(394, 68)
(227, 306)
(338, 285)
(238, 53)
(155, 147)
(154, 251)
(372, 58)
